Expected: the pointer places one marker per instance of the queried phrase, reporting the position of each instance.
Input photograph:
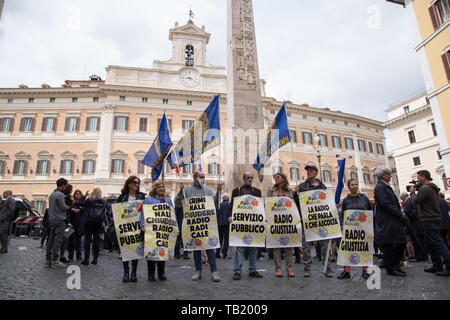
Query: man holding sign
(200, 231)
(238, 222)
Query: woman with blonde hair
(281, 189)
(93, 220)
(157, 195)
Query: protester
(355, 201)
(281, 189)
(389, 224)
(427, 198)
(312, 183)
(157, 195)
(7, 210)
(45, 228)
(75, 219)
(93, 221)
(224, 226)
(246, 189)
(445, 222)
(415, 230)
(68, 202)
(179, 215)
(130, 193)
(58, 216)
(198, 189)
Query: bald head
(248, 178)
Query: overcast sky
(356, 56)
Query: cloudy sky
(356, 56)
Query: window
(189, 56)
(188, 169)
(323, 141)
(213, 168)
(144, 100)
(121, 123)
(293, 134)
(294, 174)
(439, 12)
(95, 99)
(27, 125)
(66, 167)
(305, 117)
(189, 103)
(307, 138)
(20, 167)
(361, 145)
(272, 111)
(6, 125)
(320, 119)
(165, 101)
(439, 156)
(143, 124)
(326, 176)
(39, 206)
(31, 100)
(88, 166)
(366, 178)
(358, 125)
(375, 179)
(354, 175)
(52, 100)
(289, 114)
(370, 146)
(433, 129)
(446, 61)
(122, 98)
(346, 123)
(412, 136)
(277, 170)
(72, 124)
(406, 109)
(349, 144)
(141, 167)
(380, 149)
(2, 167)
(169, 121)
(333, 121)
(417, 161)
(336, 142)
(92, 124)
(48, 124)
(10, 100)
(74, 100)
(117, 166)
(42, 167)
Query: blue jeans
(211, 258)
(436, 245)
(238, 258)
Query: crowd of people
(410, 229)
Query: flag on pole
(159, 150)
(277, 136)
(340, 186)
(204, 135)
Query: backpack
(96, 213)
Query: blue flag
(340, 185)
(201, 137)
(159, 150)
(277, 136)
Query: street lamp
(317, 139)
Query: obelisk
(245, 116)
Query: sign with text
(284, 228)
(200, 231)
(248, 228)
(128, 229)
(319, 215)
(161, 231)
(356, 247)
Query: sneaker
(236, 276)
(344, 275)
(307, 273)
(291, 274)
(48, 264)
(433, 269)
(215, 277)
(85, 262)
(59, 264)
(329, 274)
(197, 276)
(279, 274)
(63, 260)
(365, 275)
(255, 274)
(186, 257)
(445, 273)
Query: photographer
(427, 198)
(411, 211)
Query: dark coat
(242, 191)
(124, 197)
(445, 208)
(307, 186)
(388, 222)
(412, 212)
(222, 214)
(90, 205)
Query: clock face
(190, 78)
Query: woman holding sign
(281, 189)
(130, 193)
(157, 195)
(355, 201)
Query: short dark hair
(426, 174)
(350, 181)
(61, 182)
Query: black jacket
(307, 186)
(242, 191)
(360, 202)
(90, 205)
(388, 222)
(124, 197)
(412, 212)
(445, 208)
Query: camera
(414, 183)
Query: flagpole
(179, 173)
(220, 144)
(292, 145)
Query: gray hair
(404, 194)
(225, 196)
(380, 171)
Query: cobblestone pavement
(23, 276)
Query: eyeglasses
(136, 182)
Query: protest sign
(284, 229)
(356, 247)
(161, 231)
(248, 228)
(200, 231)
(128, 229)
(319, 215)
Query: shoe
(3, 250)
(279, 274)
(48, 263)
(58, 264)
(151, 277)
(433, 269)
(445, 273)
(85, 262)
(333, 260)
(382, 265)
(236, 276)
(297, 260)
(307, 273)
(63, 260)
(186, 257)
(94, 261)
(218, 256)
(70, 260)
(260, 259)
(224, 256)
(133, 277)
(126, 275)
(215, 277)
(255, 274)
(401, 270)
(396, 273)
(291, 274)
(329, 274)
(344, 275)
(197, 276)
(365, 275)
(177, 257)
(162, 277)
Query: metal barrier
(28, 226)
